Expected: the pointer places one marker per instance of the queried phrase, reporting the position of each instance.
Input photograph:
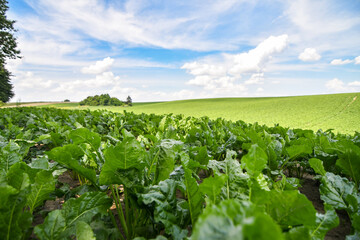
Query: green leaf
(70, 156)
(274, 151)
(193, 194)
(287, 183)
(57, 139)
(9, 155)
(84, 231)
(231, 219)
(21, 175)
(355, 236)
(220, 221)
(202, 157)
(237, 183)
(290, 208)
(324, 223)
(255, 161)
(317, 165)
(338, 192)
(60, 224)
(261, 182)
(299, 147)
(166, 158)
(13, 221)
(126, 156)
(53, 226)
(298, 233)
(211, 186)
(85, 207)
(356, 221)
(261, 226)
(168, 210)
(349, 162)
(164, 191)
(40, 163)
(41, 189)
(84, 135)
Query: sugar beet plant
(169, 177)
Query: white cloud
(101, 82)
(201, 69)
(320, 17)
(275, 82)
(255, 59)
(99, 66)
(354, 84)
(330, 26)
(309, 54)
(29, 81)
(13, 64)
(336, 85)
(171, 25)
(340, 62)
(30, 86)
(259, 90)
(221, 74)
(59, 37)
(256, 78)
(357, 60)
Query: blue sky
(171, 50)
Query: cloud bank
(222, 73)
(99, 66)
(336, 85)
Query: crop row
(169, 177)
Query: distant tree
(18, 102)
(66, 100)
(6, 92)
(115, 102)
(8, 50)
(129, 101)
(103, 100)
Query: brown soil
(51, 205)
(68, 179)
(310, 188)
(28, 104)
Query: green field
(68, 174)
(340, 112)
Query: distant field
(337, 111)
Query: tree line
(8, 50)
(105, 100)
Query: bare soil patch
(28, 104)
(310, 188)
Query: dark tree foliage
(129, 101)
(102, 100)
(6, 92)
(7, 51)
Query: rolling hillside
(337, 111)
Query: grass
(62, 105)
(340, 112)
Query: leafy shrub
(102, 100)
